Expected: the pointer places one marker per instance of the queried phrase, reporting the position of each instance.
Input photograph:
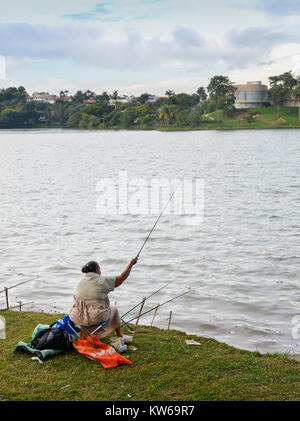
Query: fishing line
(156, 222)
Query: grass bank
(253, 118)
(165, 368)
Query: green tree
(296, 95)
(202, 93)
(127, 118)
(278, 94)
(89, 94)
(166, 115)
(99, 109)
(169, 92)
(182, 117)
(195, 115)
(11, 118)
(103, 97)
(143, 98)
(115, 95)
(183, 100)
(73, 120)
(222, 91)
(286, 80)
(13, 94)
(63, 93)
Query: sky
(137, 46)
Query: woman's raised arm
(124, 275)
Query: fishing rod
(24, 282)
(129, 311)
(25, 304)
(156, 223)
(160, 305)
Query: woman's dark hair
(90, 267)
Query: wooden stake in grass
(170, 317)
(6, 296)
(141, 308)
(20, 305)
(154, 314)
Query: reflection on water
(242, 262)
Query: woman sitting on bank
(92, 305)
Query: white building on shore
(251, 95)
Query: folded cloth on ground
(90, 346)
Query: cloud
(279, 7)
(182, 48)
(258, 37)
(266, 63)
(254, 45)
(187, 36)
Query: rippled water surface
(243, 260)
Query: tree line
(172, 110)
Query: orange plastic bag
(94, 349)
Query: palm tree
(166, 115)
(296, 95)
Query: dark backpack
(51, 339)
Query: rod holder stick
(141, 308)
(25, 304)
(6, 297)
(154, 314)
(126, 324)
(170, 317)
(20, 305)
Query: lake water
(242, 261)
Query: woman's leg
(118, 332)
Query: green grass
(165, 368)
(265, 118)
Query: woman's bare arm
(124, 275)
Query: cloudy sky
(138, 46)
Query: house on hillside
(152, 98)
(89, 101)
(43, 97)
(66, 98)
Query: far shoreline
(143, 129)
